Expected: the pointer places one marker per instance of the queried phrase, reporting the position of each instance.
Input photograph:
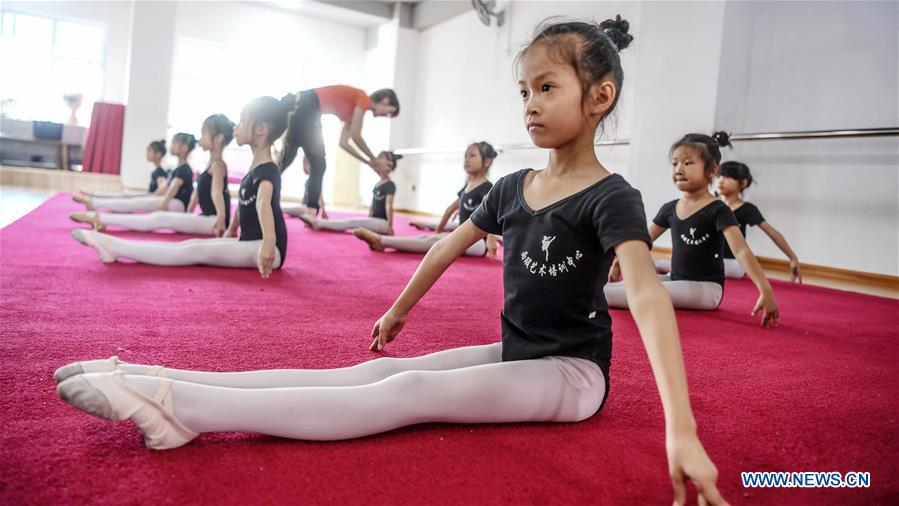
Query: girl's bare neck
(262, 154)
(699, 195)
(576, 159)
(732, 200)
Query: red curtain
(103, 149)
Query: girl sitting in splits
(158, 178)
(263, 234)
(211, 194)
(696, 280)
(478, 159)
(380, 214)
(298, 210)
(178, 190)
(553, 362)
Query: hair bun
(722, 138)
(289, 102)
(616, 30)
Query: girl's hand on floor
(687, 460)
(770, 313)
(266, 258)
(794, 271)
(491, 251)
(389, 231)
(385, 330)
(218, 230)
(615, 271)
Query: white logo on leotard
(469, 205)
(692, 240)
(553, 269)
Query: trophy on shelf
(73, 102)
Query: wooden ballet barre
(818, 134)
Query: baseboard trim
(779, 266)
(58, 180)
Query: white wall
(814, 66)
(152, 49)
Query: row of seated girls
(707, 232)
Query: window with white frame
(43, 59)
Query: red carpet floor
(820, 393)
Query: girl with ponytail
(700, 227)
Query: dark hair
(485, 149)
(393, 157)
(219, 124)
(708, 147)
(590, 48)
(736, 170)
(390, 95)
(158, 146)
(187, 139)
(272, 112)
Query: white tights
(423, 243)
(219, 252)
(294, 209)
(132, 204)
(185, 223)
(432, 225)
(732, 268)
(462, 385)
(374, 224)
(703, 295)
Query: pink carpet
(820, 393)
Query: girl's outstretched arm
(438, 258)
(388, 204)
(170, 194)
(652, 311)
(219, 173)
(744, 255)
(267, 224)
(781, 243)
(193, 202)
(161, 187)
(450, 209)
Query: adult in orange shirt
(304, 129)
